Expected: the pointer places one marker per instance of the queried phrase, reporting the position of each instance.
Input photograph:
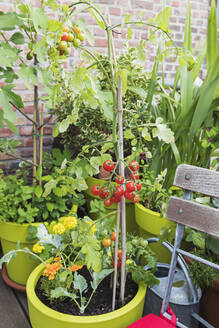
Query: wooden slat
(197, 179)
(11, 313)
(194, 215)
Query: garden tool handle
(182, 264)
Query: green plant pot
(130, 209)
(42, 316)
(150, 223)
(20, 267)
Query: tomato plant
(134, 176)
(113, 236)
(130, 186)
(118, 191)
(129, 195)
(136, 199)
(108, 202)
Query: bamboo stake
(34, 144)
(121, 172)
(116, 257)
(41, 140)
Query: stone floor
(13, 308)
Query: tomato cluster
(68, 38)
(131, 187)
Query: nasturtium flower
(59, 228)
(38, 248)
(75, 268)
(51, 269)
(70, 222)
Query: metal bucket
(184, 298)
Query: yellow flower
(59, 228)
(38, 248)
(70, 222)
(93, 228)
(51, 270)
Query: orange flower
(75, 267)
(51, 270)
(57, 259)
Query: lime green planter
(42, 316)
(130, 209)
(20, 267)
(150, 223)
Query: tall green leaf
(203, 106)
(212, 39)
(186, 75)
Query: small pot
(20, 267)
(42, 316)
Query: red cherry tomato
(136, 199)
(103, 193)
(134, 176)
(130, 186)
(119, 179)
(118, 191)
(64, 37)
(138, 186)
(113, 237)
(129, 195)
(116, 199)
(134, 166)
(106, 242)
(120, 254)
(108, 202)
(108, 165)
(95, 189)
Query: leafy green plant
(189, 107)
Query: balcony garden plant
(28, 40)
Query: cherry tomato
(118, 191)
(119, 254)
(106, 242)
(118, 264)
(134, 242)
(144, 243)
(77, 29)
(95, 189)
(116, 199)
(108, 165)
(130, 186)
(65, 29)
(108, 202)
(63, 45)
(134, 166)
(138, 186)
(136, 199)
(134, 176)
(113, 237)
(119, 179)
(129, 195)
(64, 36)
(76, 42)
(104, 193)
(70, 37)
(80, 36)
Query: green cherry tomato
(76, 42)
(63, 45)
(80, 36)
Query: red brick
(101, 43)
(28, 109)
(47, 130)
(29, 142)
(26, 130)
(115, 11)
(27, 152)
(5, 132)
(47, 141)
(142, 4)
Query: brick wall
(116, 8)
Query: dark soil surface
(100, 303)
